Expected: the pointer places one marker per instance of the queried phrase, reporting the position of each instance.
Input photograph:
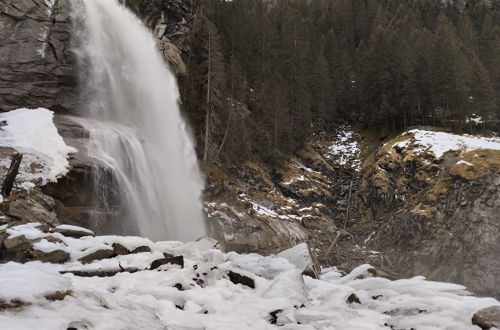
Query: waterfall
(135, 125)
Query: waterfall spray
(135, 125)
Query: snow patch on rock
(33, 133)
(440, 142)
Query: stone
(17, 243)
(173, 55)
(55, 257)
(353, 299)
(487, 318)
(97, 255)
(32, 208)
(241, 279)
(120, 250)
(141, 249)
(168, 259)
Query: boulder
(55, 257)
(168, 259)
(141, 249)
(120, 250)
(33, 206)
(237, 278)
(487, 318)
(18, 243)
(16, 249)
(97, 255)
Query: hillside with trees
(265, 75)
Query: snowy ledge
(33, 133)
(440, 142)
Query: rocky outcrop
(171, 22)
(77, 202)
(434, 216)
(487, 318)
(37, 66)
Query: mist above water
(135, 126)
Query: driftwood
(8, 182)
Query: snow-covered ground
(33, 133)
(440, 142)
(345, 148)
(200, 295)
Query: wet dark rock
(120, 250)
(17, 243)
(178, 286)
(141, 249)
(353, 299)
(487, 318)
(241, 279)
(168, 259)
(97, 255)
(274, 316)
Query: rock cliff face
(171, 22)
(37, 67)
(438, 216)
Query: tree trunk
(8, 182)
(207, 119)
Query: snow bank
(29, 282)
(209, 300)
(440, 142)
(33, 133)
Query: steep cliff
(37, 66)
(433, 200)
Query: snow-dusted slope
(441, 142)
(32, 133)
(201, 296)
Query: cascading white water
(136, 128)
